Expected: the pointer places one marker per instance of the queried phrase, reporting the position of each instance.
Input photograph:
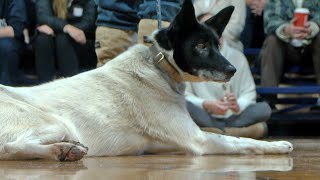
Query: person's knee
(43, 40)
(8, 46)
(63, 39)
(264, 110)
(316, 41)
(44, 37)
(271, 40)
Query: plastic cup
(301, 15)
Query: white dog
(133, 104)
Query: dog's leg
(189, 138)
(221, 144)
(158, 147)
(44, 145)
(63, 151)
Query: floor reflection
(148, 167)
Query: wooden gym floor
(303, 163)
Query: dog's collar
(161, 60)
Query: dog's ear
(186, 18)
(184, 21)
(220, 20)
(163, 40)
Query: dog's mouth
(216, 76)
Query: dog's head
(195, 45)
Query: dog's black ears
(184, 21)
(220, 20)
(186, 18)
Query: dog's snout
(230, 70)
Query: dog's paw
(282, 147)
(263, 147)
(70, 151)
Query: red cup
(301, 15)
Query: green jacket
(279, 13)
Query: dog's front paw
(70, 151)
(263, 147)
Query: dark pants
(259, 112)
(9, 60)
(277, 55)
(61, 53)
(252, 35)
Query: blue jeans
(125, 15)
(9, 53)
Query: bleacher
(297, 103)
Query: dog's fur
(127, 107)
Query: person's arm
(191, 97)
(215, 107)
(272, 16)
(16, 19)
(88, 19)
(315, 12)
(315, 19)
(46, 16)
(287, 30)
(247, 89)
(237, 21)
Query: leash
(147, 39)
(159, 14)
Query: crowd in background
(44, 48)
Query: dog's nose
(230, 70)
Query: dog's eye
(201, 46)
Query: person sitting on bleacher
(231, 106)
(12, 23)
(66, 35)
(287, 44)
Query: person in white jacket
(230, 106)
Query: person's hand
(75, 33)
(218, 107)
(257, 6)
(6, 31)
(46, 30)
(232, 102)
(297, 32)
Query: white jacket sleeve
(247, 89)
(191, 97)
(237, 21)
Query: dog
(133, 104)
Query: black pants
(62, 54)
(9, 60)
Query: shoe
(255, 131)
